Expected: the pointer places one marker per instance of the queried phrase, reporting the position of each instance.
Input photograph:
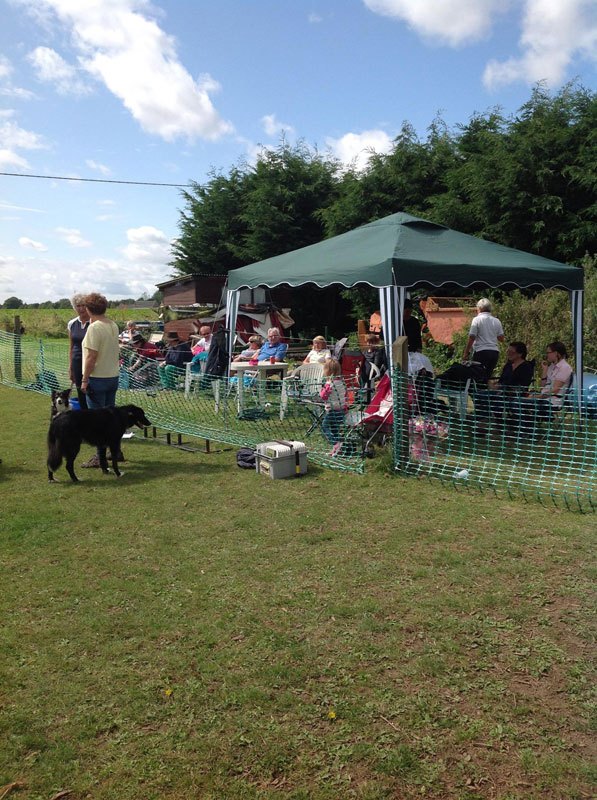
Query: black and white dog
(102, 427)
(60, 402)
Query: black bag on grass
(245, 458)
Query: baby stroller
(375, 423)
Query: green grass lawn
(198, 631)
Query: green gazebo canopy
(403, 250)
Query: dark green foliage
(255, 212)
(211, 227)
(526, 181)
(13, 302)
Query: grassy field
(51, 322)
(198, 631)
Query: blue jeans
(101, 392)
(331, 427)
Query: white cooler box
(281, 459)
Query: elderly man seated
(127, 334)
(273, 350)
(203, 342)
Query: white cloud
(8, 158)
(20, 208)
(25, 241)
(138, 63)
(105, 217)
(553, 33)
(14, 138)
(274, 127)
(314, 18)
(148, 246)
(454, 22)
(5, 68)
(7, 89)
(52, 68)
(39, 278)
(73, 237)
(355, 149)
(11, 135)
(16, 92)
(102, 168)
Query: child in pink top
(333, 395)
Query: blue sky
(164, 91)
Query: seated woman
(250, 354)
(556, 376)
(319, 353)
(143, 353)
(252, 351)
(514, 381)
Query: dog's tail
(54, 451)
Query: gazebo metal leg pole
(576, 300)
(232, 301)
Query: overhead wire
(95, 180)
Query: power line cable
(95, 180)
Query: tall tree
(211, 228)
(256, 211)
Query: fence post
(18, 353)
(400, 395)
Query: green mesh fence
(198, 405)
(468, 439)
(481, 440)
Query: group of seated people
(146, 361)
(511, 392)
(273, 350)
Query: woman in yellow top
(101, 357)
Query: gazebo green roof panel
(406, 251)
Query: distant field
(51, 322)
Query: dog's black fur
(60, 402)
(102, 427)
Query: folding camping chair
(339, 348)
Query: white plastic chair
(302, 386)
(193, 378)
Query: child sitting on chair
(333, 394)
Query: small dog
(102, 427)
(60, 402)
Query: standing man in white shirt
(484, 336)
